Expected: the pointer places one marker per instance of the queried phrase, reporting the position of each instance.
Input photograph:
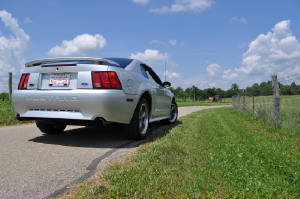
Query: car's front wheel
(49, 127)
(173, 113)
(138, 128)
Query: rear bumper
(85, 104)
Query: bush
(4, 96)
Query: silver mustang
(86, 91)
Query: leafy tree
(285, 89)
(188, 92)
(295, 89)
(266, 88)
(179, 92)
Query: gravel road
(33, 165)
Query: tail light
(23, 81)
(106, 80)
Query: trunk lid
(64, 73)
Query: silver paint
(40, 99)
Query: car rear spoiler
(66, 59)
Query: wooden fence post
(9, 84)
(276, 101)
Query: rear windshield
(123, 62)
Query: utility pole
(194, 93)
(9, 84)
(165, 70)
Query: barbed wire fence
(290, 104)
(280, 107)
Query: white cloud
(241, 20)
(172, 75)
(151, 57)
(229, 74)
(184, 6)
(212, 84)
(272, 53)
(172, 42)
(81, 45)
(27, 20)
(12, 49)
(142, 2)
(276, 52)
(213, 69)
(155, 41)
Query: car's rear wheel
(50, 127)
(138, 128)
(173, 113)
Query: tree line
(265, 88)
(262, 89)
(201, 94)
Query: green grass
(189, 102)
(6, 113)
(289, 111)
(216, 153)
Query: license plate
(59, 79)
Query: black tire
(138, 128)
(49, 127)
(173, 113)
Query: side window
(144, 72)
(150, 77)
(150, 74)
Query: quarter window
(143, 71)
(150, 77)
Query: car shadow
(108, 136)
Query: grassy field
(290, 113)
(289, 110)
(6, 114)
(216, 153)
(189, 102)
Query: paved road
(33, 165)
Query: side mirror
(166, 84)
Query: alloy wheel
(173, 113)
(143, 119)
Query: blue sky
(206, 43)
